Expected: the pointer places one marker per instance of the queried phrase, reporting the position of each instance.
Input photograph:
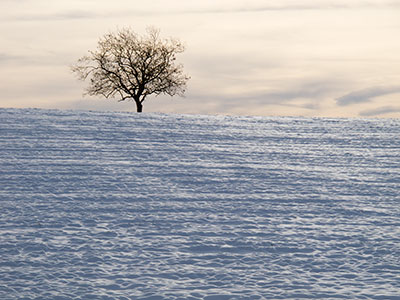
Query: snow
(105, 205)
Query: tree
(132, 67)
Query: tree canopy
(131, 67)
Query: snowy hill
(100, 205)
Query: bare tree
(132, 67)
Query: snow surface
(98, 205)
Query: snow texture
(98, 205)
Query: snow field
(97, 205)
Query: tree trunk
(139, 106)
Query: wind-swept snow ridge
(100, 205)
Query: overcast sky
(332, 58)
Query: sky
(312, 58)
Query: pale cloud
(226, 6)
(271, 8)
(57, 16)
(299, 98)
(380, 111)
(7, 58)
(318, 89)
(45, 10)
(366, 95)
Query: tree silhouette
(132, 67)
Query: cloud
(259, 6)
(5, 58)
(266, 8)
(41, 58)
(14, 60)
(308, 97)
(307, 90)
(207, 7)
(380, 111)
(60, 16)
(366, 95)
